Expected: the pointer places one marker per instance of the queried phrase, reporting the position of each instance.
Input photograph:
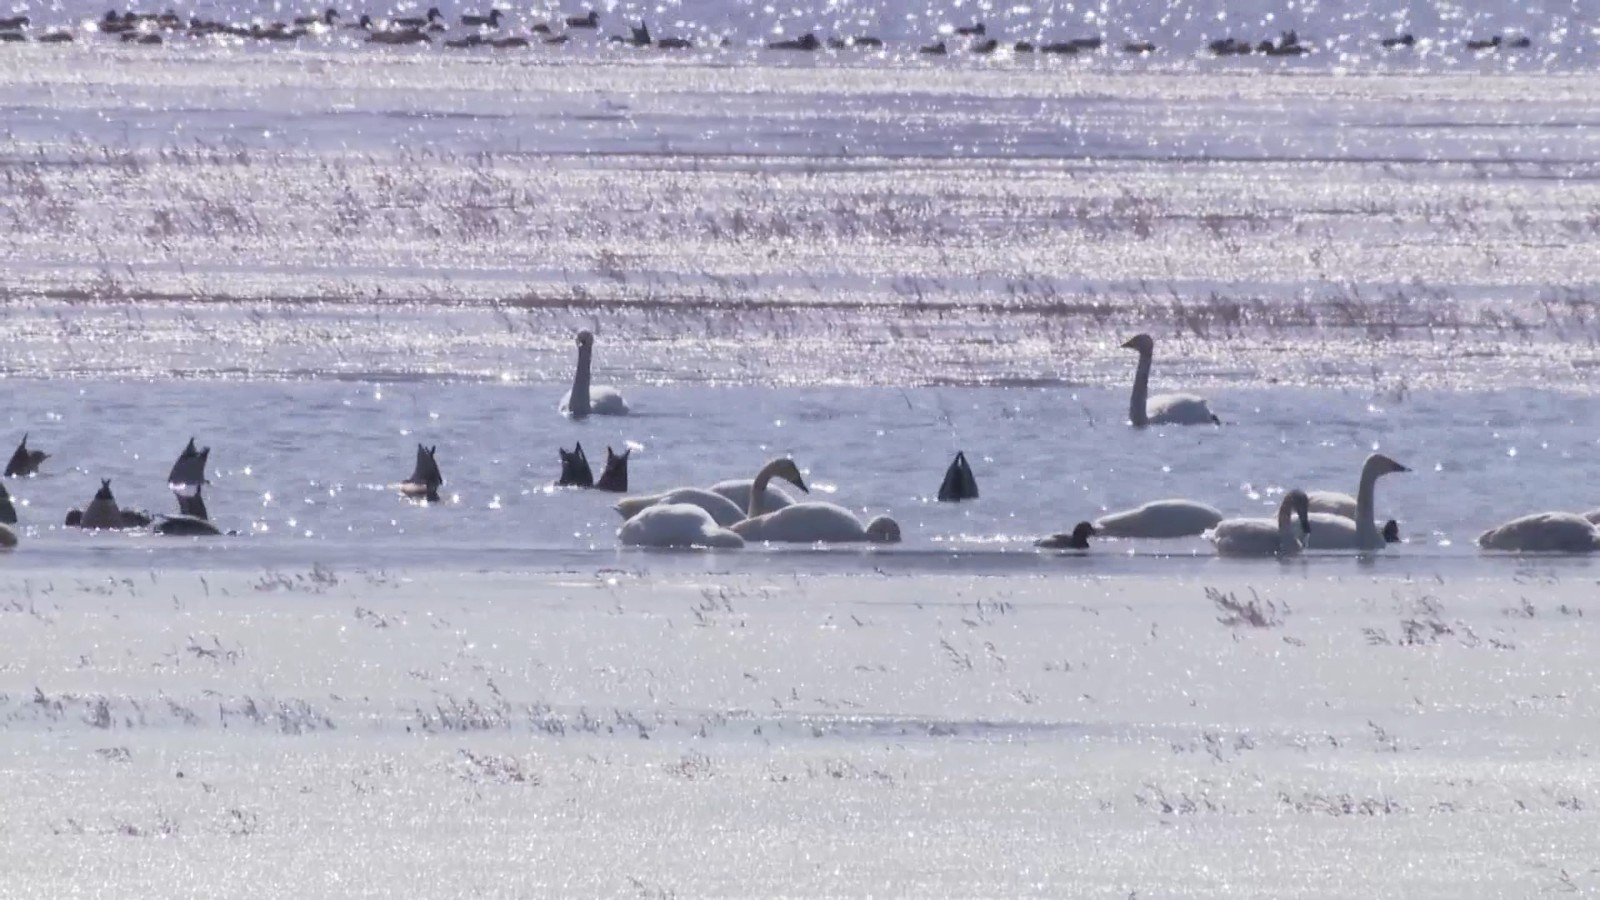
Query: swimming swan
(1361, 533)
(959, 483)
(682, 525)
(810, 522)
(1551, 532)
(1162, 409)
(1077, 540)
(585, 399)
(726, 501)
(1160, 519)
(1265, 537)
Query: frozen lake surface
(314, 257)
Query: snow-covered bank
(369, 733)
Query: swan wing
(676, 525)
(804, 523)
(1160, 519)
(1332, 503)
(737, 490)
(1249, 537)
(1550, 532)
(1178, 409)
(1331, 532)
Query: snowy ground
(604, 733)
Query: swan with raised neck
(782, 467)
(1170, 409)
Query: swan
(425, 479)
(1333, 503)
(1360, 533)
(1077, 540)
(726, 501)
(1265, 537)
(817, 523)
(1160, 519)
(958, 484)
(1551, 532)
(1162, 409)
(676, 525)
(24, 461)
(585, 399)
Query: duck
(55, 37)
(25, 462)
(730, 501)
(585, 399)
(985, 48)
(145, 39)
(8, 511)
(1023, 47)
(190, 469)
(959, 483)
(1484, 43)
(938, 49)
(976, 29)
(1265, 537)
(614, 477)
(1228, 47)
(15, 23)
(1136, 47)
(12, 37)
(328, 19)
(589, 20)
(806, 42)
(815, 522)
(575, 471)
(1360, 532)
(1077, 539)
(674, 43)
(466, 42)
(415, 22)
(1394, 43)
(509, 43)
(861, 42)
(679, 526)
(1059, 48)
(1162, 409)
(1160, 519)
(425, 479)
(399, 37)
(492, 20)
(104, 514)
(1547, 532)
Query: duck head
(1391, 532)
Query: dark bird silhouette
(1077, 540)
(25, 462)
(959, 484)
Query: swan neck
(1141, 389)
(1366, 527)
(578, 403)
(758, 489)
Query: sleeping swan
(585, 399)
(726, 502)
(1162, 409)
(1160, 519)
(1551, 532)
(679, 525)
(1265, 537)
(1361, 533)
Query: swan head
(1378, 464)
(586, 338)
(883, 530)
(1143, 343)
(784, 467)
(1391, 532)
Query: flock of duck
(732, 513)
(487, 30)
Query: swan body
(737, 490)
(585, 399)
(1359, 532)
(817, 523)
(727, 501)
(1593, 515)
(1077, 540)
(1333, 503)
(1265, 537)
(679, 525)
(1162, 409)
(1160, 519)
(1551, 532)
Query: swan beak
(801, 484)
(1400, 468)
(1127, 344)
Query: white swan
(1265, 537)
(1551, 532)
(585, 399)
(1333, 503)
(1162, 409)
(1334, 532)
(679, 525)
(1160, 519)
(817, 523)
(719, 500)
